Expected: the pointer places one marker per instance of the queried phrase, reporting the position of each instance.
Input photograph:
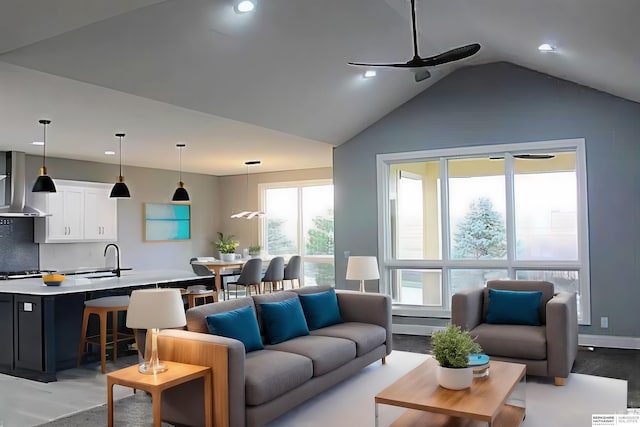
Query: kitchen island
(40, 325)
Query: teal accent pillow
(321, 309)
(283, 320)
(514, 307)
(240, 324)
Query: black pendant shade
(120, 189)
(44, 183)
(180, 195)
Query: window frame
(511, 264)
(262, 226)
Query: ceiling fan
(417, 62)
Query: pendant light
(180, 195)
(120, 189)
(249, 214)
(44, 183)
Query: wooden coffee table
(495, 400)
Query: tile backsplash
(18, 252)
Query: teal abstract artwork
(163, 221)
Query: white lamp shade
(362, 268)
(156, 308)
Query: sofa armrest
(225, 356)
(466, 308)
(562, 334)
(367, 308)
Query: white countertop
(75, 284)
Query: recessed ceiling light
(369, 74)
(244, 6)
(110, 153)
(37, 143)
(546, 47)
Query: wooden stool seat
(199, 292)
(102, 307)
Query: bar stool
(199, 292)
(102, 307)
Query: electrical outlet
(604, 322)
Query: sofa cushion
(240, 324)
(269, 297)
(521, 285)
(197, 316)
(326, 353)
(514, 307)
(283, 320)
(269, 374)
(365, 335)
(320, 309)
(518, 341)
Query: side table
(177, 373)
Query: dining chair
(292, 271)
(274, 275)
(202, 270)
(250, 276)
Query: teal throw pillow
(283, 320)
(321, 309)
(514, 307)
(240, 324)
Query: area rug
(351, 404)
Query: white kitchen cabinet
(66, 209)
(100, 213)
(78, 212)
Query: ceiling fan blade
(451, 55)
(391, 65)
(421, 75)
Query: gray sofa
(548, 350)
(254, 388)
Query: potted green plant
(254, 251)
(226, 246)
(451, 348)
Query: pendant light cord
(180, 170)
(44, 145)
(120, 155)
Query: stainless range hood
(14, 186)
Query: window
(299, 221)
(454, 219)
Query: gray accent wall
(504, 103)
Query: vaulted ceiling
(274, 84)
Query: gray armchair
(548, 350)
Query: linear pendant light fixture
(180, 195)
(44, 183)
(249, 214)
(120, 189)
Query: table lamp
(362, 268)
(153, 309)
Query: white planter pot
(228, 257)
(454, 378)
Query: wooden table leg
(157, 406)
(109, 404)
(208, 403)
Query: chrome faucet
(117, 248)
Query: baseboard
(608, 341)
